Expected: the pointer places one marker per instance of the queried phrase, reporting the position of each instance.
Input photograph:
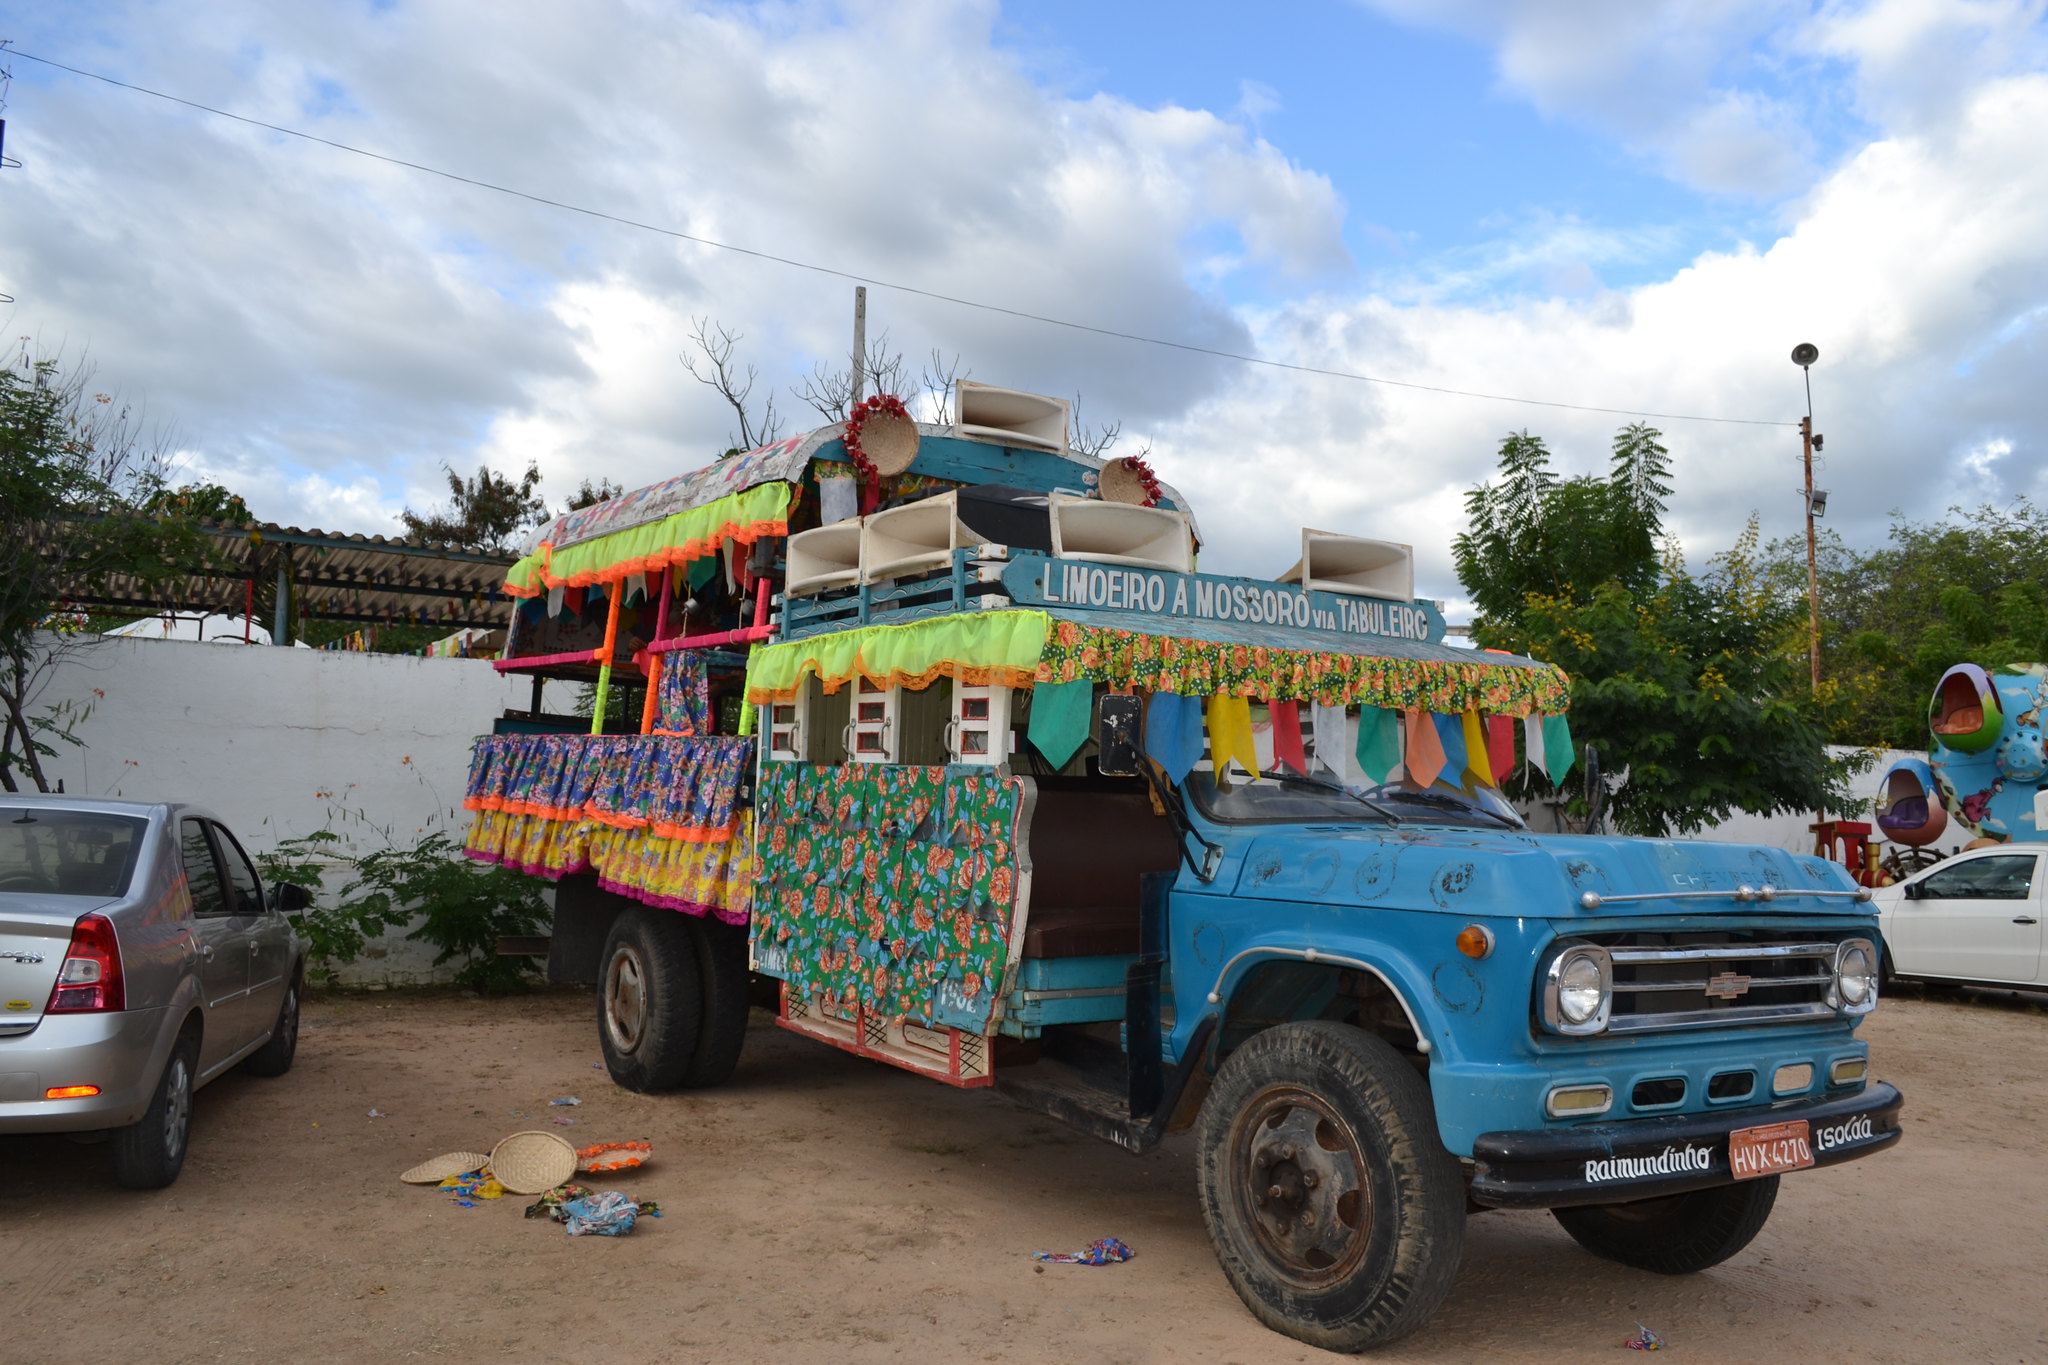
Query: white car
(1973, 917)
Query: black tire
(650, 999)
(149, 1153)
(1330, 1123)
(1678, 1234)
(274, 1058)
(722, 1031)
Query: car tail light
(89, 982)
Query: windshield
(67, 852)
(1283, 797)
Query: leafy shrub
(464, 907)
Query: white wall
(1791, 831)
(284, 742)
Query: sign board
(1035, 580)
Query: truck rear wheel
(1336, 1212)
(650, 999)
(1676, 1235)
(722, 970)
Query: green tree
(1692, 687)
(1971, 587)
(484, 512)
(80, 503)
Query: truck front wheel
(1336, 1212)
(650, 999)
(1678, 1234)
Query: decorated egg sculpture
(1909, 804)
(1964, 712)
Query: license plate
(1776, 1147)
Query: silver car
(139, 959)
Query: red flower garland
(870, 477)
(1146, 479)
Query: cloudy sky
(1628, 204)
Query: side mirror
(1911, 891)
(1118, 754)
(289, 898)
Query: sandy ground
(822, 1209)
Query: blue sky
(1432, 157)
(1638, 204)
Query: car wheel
(1336, 1213)
(274, 1058)
(722, 1031)
(650, 999)
(149, 1153)
(1678, 1234)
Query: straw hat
(889, 441)
(441, 1167)
(1121, 481)
(532, 1162)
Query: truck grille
(1682, 985)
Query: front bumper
(1612, 1163)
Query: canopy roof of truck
(744, 497)
(1160, 654)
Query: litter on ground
(1108, 1251)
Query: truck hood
(1484, 872)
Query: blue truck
(948, 753)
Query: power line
(877, 283)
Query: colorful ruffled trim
(694, 878)
(682, 787)
(1127, 659)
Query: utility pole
(1803, 355)
(1812, 557)
(860, 344)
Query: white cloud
(1673, 80)
(1919, 255)
(326, 331)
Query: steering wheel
(22, 881)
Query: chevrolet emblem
(1728, 985)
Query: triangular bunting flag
(1500, 747)
(1450, 733)
(1230, 735)
(1287, 750)
(1477, 761)
(1379, 743)
(1425, 751)
(1333, 749)
(1557, 747)
(1532, 742)
(1173, 733)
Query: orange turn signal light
(1475, 941)
(70, 1092)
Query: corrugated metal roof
(335, 576)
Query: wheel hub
(625, 998)
(177, 1108)
(1300, 1168)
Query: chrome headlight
(1854, 989)
(1578, 990)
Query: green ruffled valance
(744, 517)
(982, 648)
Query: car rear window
(67, 852)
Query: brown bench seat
(1088, 850)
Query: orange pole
(604, 670)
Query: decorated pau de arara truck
(937, 733)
